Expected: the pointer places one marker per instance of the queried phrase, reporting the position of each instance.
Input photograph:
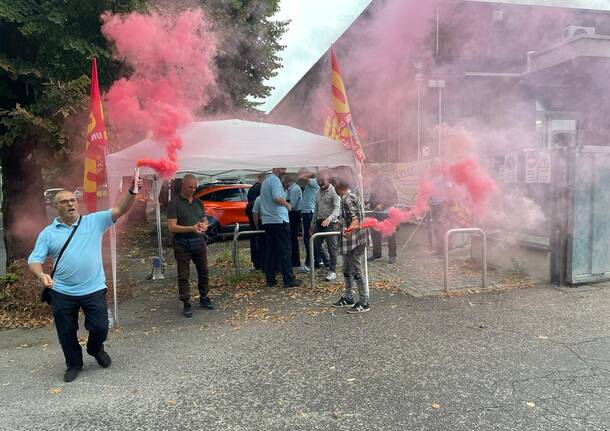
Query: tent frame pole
(156, 192)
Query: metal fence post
(235, 247)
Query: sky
(315, 24)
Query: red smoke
(171, 58)
(468, 185)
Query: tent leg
(366, 270)
(113, 264)
(158, 220)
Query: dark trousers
(295, 222)
(183, 263)
(330, 259)
(440, 226)
(261, 247)
(65, 314)
(306, 223)
(377, 244)
(277, 252)
(256, 254)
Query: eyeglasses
(67, 201)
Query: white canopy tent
(216, 146)
(210, 147)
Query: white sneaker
(331, 276)
(304, 269)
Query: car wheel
(212, 233)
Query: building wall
(474, 37)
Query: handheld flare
(136, 180)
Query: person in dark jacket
(256, 255)
(383, 196)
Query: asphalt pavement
(523, 359)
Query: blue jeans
(330, 259)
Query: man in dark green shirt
(186, 220)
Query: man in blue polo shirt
(308, 205)
(274, 217)
(294, 196)
(79, 280)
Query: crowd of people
(280, 205)
(283, 205)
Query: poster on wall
(544, 167)
(531, 167)
(404, 176)
(510, 168)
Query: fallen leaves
(387, 284)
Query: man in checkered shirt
(352, 244)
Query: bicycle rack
(235, 245)
(483, 253)
(312, 257)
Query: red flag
(97, 148)
(344, 129)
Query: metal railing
(312, 258)
(483, 253)
(235, 245)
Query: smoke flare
(171, 58)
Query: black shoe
(71, 373)
(373, 257)
(343, 302)
(187, 310)
(271, 284)
(103, 359)
(294, 283)
(392, 259)
(206, 303)
(359, 308)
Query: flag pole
(347, 122)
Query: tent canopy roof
(213, 146)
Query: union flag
(339, 126)
(97, 148)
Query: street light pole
(440, 115)
(440, 84)
(419, 78)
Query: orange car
(225, 205)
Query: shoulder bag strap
(66, 245)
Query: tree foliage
(46, 48)
(248, 50)
(45, 55)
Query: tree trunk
(23, 204)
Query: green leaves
(44, 119)
(16, 67)
(248, 48)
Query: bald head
(189, 185)
(62, 195)
(67, 206)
